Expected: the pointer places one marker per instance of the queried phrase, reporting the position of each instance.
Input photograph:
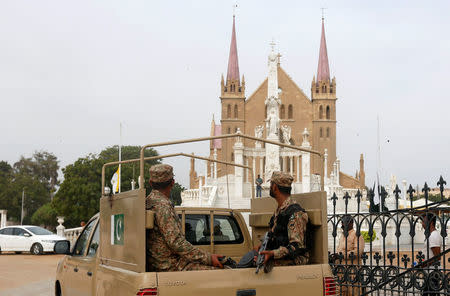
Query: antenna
(323, 12)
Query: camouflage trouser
(300, 260)
(198, 266)
(184, 265)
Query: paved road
(27, 274)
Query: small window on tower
(236, 111)
(225, 90)
(328, 132)
(229, 111)
(229, 130)
(232, 156)
(282, 112)
(328, 112)
(320, 112)
(321, 132)
(290, 112)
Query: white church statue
(273, 123)
(286, 132)
(259, 130)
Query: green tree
(36, 176)
(46, 216)
(78, 196)
(175, 194)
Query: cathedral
(278, 110)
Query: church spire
(323, 69)
(233, 65)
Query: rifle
(261, 257)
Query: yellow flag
(115, 181)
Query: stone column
(298, 169)
(3, 218)
(254, 167)
(285, 164)
(306, 163)
(405, 184)
(261, 168)
(206, 173)
(325, 165)
(60, 228)
(291, 160)
(238, 171)
(338, 169)
(306, 172)
(215, 164)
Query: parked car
(27, 238)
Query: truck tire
(36, 249)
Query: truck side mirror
(62, 247)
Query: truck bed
(283, 280)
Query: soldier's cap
(282, 179)
(160, 173)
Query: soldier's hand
(267, 255)
(215, 260)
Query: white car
(27, 238)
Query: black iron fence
(399, 251)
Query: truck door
(78, 279)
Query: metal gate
(378, 252)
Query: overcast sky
(70, 71)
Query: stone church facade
(278, 110)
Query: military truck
(109, 256)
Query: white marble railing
(72, 234)
(190, 194)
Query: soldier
(167, 248)
(288, 225)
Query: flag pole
(21, 214)
(120, 154)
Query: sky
(71, 71)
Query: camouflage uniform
(167, 248)
(296, 233)
(296, 227)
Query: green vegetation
(77, 198)
(37, 176)
(367, 238)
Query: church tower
(323, 96)
(232, 98)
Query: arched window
(328, 112)
(235, 129)
(235, 111)
(321, 132)
(290, 112)
(282, 112)
(331, 89)
(324, 89)
(320, 112)
(229, 130)
(229, 111)
(328, 132)
(232, 156)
